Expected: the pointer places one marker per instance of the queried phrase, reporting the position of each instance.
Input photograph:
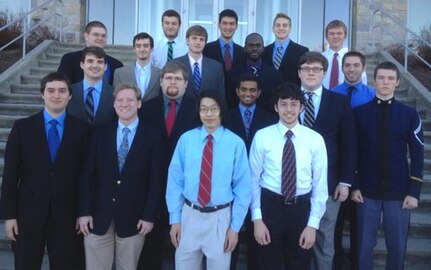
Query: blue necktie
(278, 57)
(197, 77)
(53, 139)
(124, 149)
(247, 121)
(89, 105)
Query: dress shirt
(192, 64)
(230, 181)
(266, 156)
(360, 95)
(132, 127)
(242, 109)
(285, 43)
(60, 126)
(329, 55)
(222, 43)
(159, 56)
(96, 93)
(166, 103)
(143, 75)
(317, 98)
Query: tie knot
(247, 112)
(53, 123)
(91, 89)
(280, 48)
(209, 137)
(126, 131)
(171, 42)
(350, 88)
(309, 94)
(172, 102)
(196, 65)
(289, 134)
(335, 55)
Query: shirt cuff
(175, 218)
(256, 214)
(313, 222)
(344, 184)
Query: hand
(410, 202)
(145, 227)
(341, 193)
(261, 232)
(11, 228)
(230, 241)
(85, 224)
(357, 196)
(175, 234)
(307, 238)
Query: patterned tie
(227, 59)
(89, 105)
(247, 121)
(350, 90)
(170, 50)
(333, 81)
(204, 195)
(288, 173)
(309, 111)
(170, 117)
(197, 77)
(278, 57)
(255, 70)
(53, 139)
(124, 149)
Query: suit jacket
(123, 198)
(105, 111)
(33, 187)
(212, 76)
(70, 65)
(261, 119)
(269, 79)
(127, 75)
(213, 50)
(335, 122)
(289, 63)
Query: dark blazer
(289, 63)
(127, 75)
(70, 65)
(212, 76)
(33, 187)
(213, 50)
(261, 119)
(105, 111)
(335, 122)
(124, 198)
(269, 79)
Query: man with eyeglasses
(94, 35)
(329, 114)
(173, 113)
(208, 189)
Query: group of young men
(200, 135)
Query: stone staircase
(20, 97)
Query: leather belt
(206, 209)
(295, 200)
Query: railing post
(373, 25)
(406, 53)
(24, 37)
(61, 20)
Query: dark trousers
(65, 247)
(285, 224)
(247, 236)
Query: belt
(280, 198)
(207, 209)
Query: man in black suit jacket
(289, 52)
(224, 50)
(94, 35)
(43, 161)
(120, 190)
(333, 119)
(245, 119)
(92, 100)
(173, 113)
(268, 76)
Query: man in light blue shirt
(206, 218)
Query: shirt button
(118, 182)
(113, 199)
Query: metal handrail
(403, 42)
(26, 29)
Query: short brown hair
(312, 57)
(197, 30)
(92, 24)
(122, 86)
(282, 15)
(336, 24)
(55, 76)
(94, 50)
(174, 66)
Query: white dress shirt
(311, 167)
(143, 75)
(159, 56)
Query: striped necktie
(278, 57)
(227, 59)
(204, 193)
(288, 172)
(309, 111)
(170, 50)
(89, 105)
(197, 77)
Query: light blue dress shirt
(60, 120)
(96, 93)
(242, 109)
(285, 43)
(132, 126)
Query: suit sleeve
(221, 82)
(117, 79)
(416, 148)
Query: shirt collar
(175, 40)
(167, 100)
(146, 67)
(132, 126)
(222, 43)
(284, 43)
(216, 134)
(283, 129)
(60, 119)
(97, 86)
(317, 92)
(192, 60)
(242, 108)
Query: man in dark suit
(283, 54)
(95, 34)
(173, 113)
(329, 114)
(43, 161)
(224, 50)
(245, 119)
(268, 76)
(92, 100)
(120, 188)
(141, 73)
(206, 73)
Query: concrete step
(53, 63)
(22, 99)
(32, 78)
(4, 133)
(6, 121)
(25, 88)
(19, 109)
(42, 70)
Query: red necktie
(288, 171)
(170, 118)
(227, 59)
(204, 195)
(333, 81)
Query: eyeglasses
(214, 110)
(172, 78)
(313, 69)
